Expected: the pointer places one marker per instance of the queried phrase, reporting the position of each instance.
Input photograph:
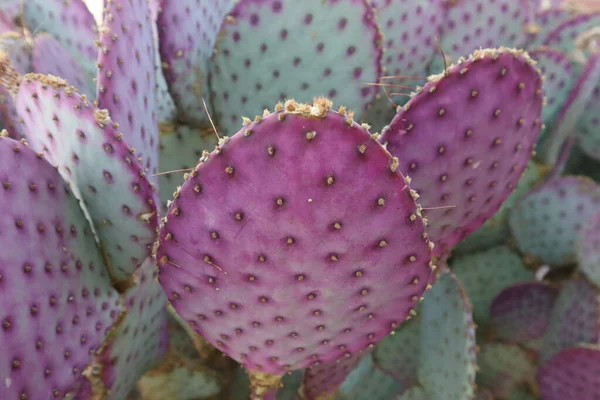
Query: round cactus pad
(272, 50)
(571, 374)
(546, 222)
(296, 242)
(98, 164)
(56, 302)
(465, 139)
(521, 313)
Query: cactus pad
(398, 354)
(495, 231)
(575, 319)
(414, 393)
(504, 367)
(70, 22)
(270, 254)
(272, 50)
(588, 249)
(546, 222)
(565, 36)
(187, 32)
(409, 28)
(50, 57)
(487, 273)
(521, 313)
(447, 356)
(466, 137)
(181, 148)
(127, 78)
(370, 383)
(474, 24)
(93, 157)
(137, 343)
(571, 112)
(557, 70)
(57, 301)
(545, 22)
(571, 374)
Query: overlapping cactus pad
(466, 137)
(274, 50)
(56, 298)
(571, 374)
(277, 261)
(94, 158)
(166, 236)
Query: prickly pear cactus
(522, 312)
(274, 50)
(337, 305)
(545, 223)
(588, 249)
(57, 300)
(571, 374)
(94, 158)
(465, 167)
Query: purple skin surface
(56, 299)
(295, 243)
(127, 77)
(573, 373)
(466, 138)
(521, 313)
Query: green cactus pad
(503, 367)
(273, 50)
(95, 160)
(399, 354)
(487, 273)
(368, 382)
(180, 149)
(447, 347)
(495, 231)
(546, 222)
(575, 319)
(564, 36)
(414, 393)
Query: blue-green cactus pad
(272, 50)
(485, 274)
(546, 222)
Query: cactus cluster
(300, 200)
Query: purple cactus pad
(465, 139)
(296, 243)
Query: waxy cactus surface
(166, 236)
